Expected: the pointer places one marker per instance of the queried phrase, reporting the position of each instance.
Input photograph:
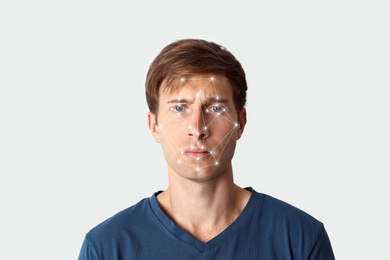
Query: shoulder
(124, 220)
(280, 210)
(120, 230)
(283, 219)
(289, 229)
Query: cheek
(223, 123)
(172, 131)
(223, 135)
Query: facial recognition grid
(208, 115)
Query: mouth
(196, 153)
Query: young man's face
(198, 126)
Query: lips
(196, 153)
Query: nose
(197, 127)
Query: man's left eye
(216, 109)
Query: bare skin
(202, 202)
(203, 210)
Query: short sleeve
(87, 251)
(322, 249)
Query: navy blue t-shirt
(267, 228)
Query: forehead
(205, 85)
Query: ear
(242, 123)
(153, 126)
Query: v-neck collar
(186, 237)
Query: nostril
(197, 131)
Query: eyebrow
(177, 101)
(216, 100)
(207, 101)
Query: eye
(216, 109)
(178, 108)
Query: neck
(203, 209)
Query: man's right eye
(178, 109)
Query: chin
(199, 175)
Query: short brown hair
(194, 56)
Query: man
(196, 92)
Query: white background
(74, 143)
